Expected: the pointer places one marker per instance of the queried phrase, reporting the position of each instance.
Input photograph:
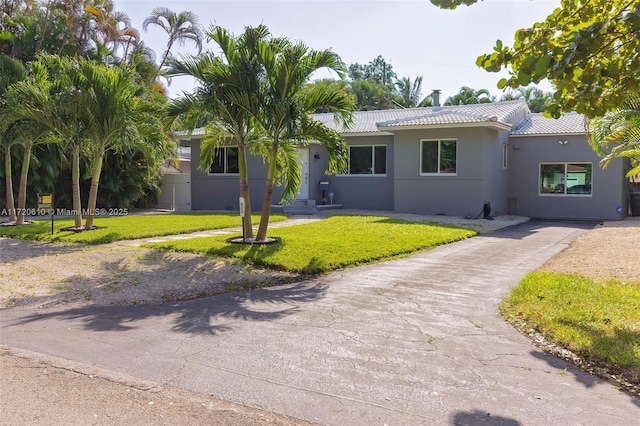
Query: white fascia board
(344, 135)
(494, 125)
(553, 135)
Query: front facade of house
(448, 160)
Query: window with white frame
(368, 160)
(225, 160)
(565, 178)
(438, 156)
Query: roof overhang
(495, 125)
(367, 134)
(553, 135)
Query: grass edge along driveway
(336, 242)
(130, 227)
(597, 320)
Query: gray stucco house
(449, 160)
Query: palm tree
(237, 67)
(617, 135)
(113, 28)
(537, 100)
(47, 98)
(181, 27)
(410, 93)
(468, 96)
(11, 71)
(113, 116)
(284, 106)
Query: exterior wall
(609, 190)
(221, 192)
(495, 175)
(365, 191)
(478, 178)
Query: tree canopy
(589, 50)
(617, 134)
(467, 96)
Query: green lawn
(597, 320)
(118, 228)
(332, 243)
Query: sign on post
(45, 205)
(242, 206)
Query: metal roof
(538, 124)
(374, 121)
(496, 114)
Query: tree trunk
(75, 179)
(247, 228)
(268, 194)
(93, 192)
(22, 190)
(11, 206)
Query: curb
(81, 368)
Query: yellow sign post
(45, 203)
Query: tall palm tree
(467, 96)
(11, 71)
(180, 27)
(284, 106)
(108, 106)
(113, 28)
(617, 135)
(47, 98)
(237, 67)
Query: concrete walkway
(406, 342)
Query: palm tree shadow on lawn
(211, 315)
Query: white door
(303, 159)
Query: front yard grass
(598, 320)
(117, 228)
(336, 242)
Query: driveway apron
(406, 342)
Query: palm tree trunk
(166, 52)
(11, 207)
(22, 190)
(268, 195)
(93, 192)
(247, 228)
(75, 179)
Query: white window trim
(565, 194)
(225, 163)
(439, 174)
(373, 162)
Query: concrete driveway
(406, 342)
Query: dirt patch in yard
(611, 250)
(43, 275)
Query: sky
(415, 37)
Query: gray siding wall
(495, 175)
(221, 192)
(479, 177)
(525, 156)
(365, 191)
